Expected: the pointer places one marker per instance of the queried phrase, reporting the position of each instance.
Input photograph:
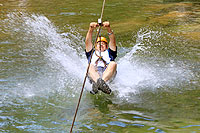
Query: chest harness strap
(100, 59)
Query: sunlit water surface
(42, 70)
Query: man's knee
(113, 64)
(92, 68)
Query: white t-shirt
(105, 56)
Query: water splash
(59, 65)
(136, 73)
(62, 66)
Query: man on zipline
(103, 66)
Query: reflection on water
(42, 68)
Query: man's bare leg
(100, 83)
(107, 74)
(110, 71)
(93, 73)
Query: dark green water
(42, 66)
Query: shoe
(94, 88)
(103, 86)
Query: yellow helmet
(103, 39)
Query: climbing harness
(100, 58)
(98, 33)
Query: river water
(42, 66)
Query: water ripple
(117, 123)
(191, 126)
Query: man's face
(103, 46)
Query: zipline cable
(103, 8)
(99, 30)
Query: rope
(86, 73)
